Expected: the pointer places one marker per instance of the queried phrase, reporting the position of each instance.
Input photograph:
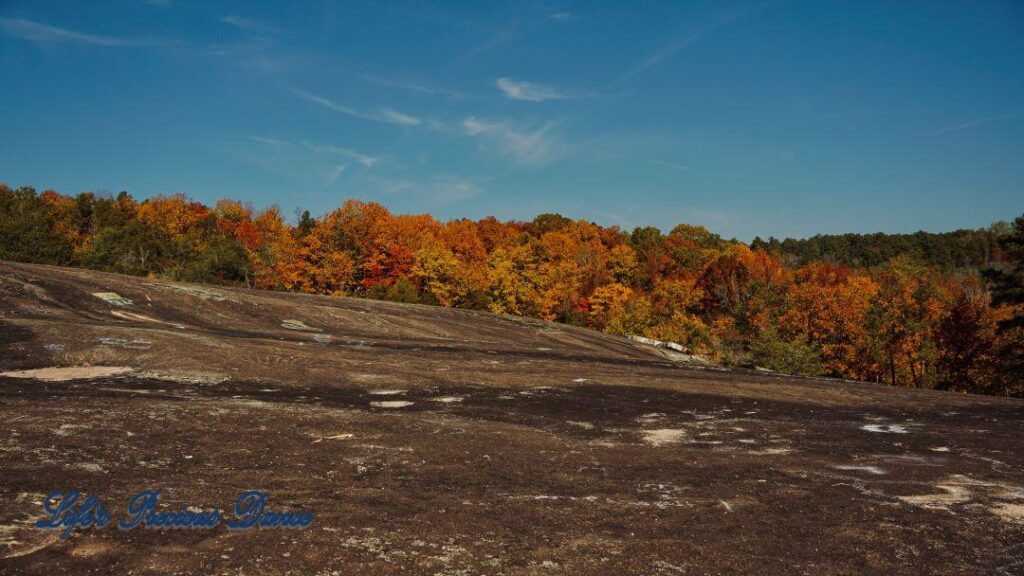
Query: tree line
(972, 250)
(925, 310)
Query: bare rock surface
(438, 441)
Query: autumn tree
(676, 312)
(573, 261)
(175, 215)
(623, 265)
(901, 321)
(965, 337)
(435, 270)
(514, 282)
(693, 247)
(618, 309)
(791, 355)
(1007, 283)
(828, 306)
(137, 248)
(28, 229)
(655, 262)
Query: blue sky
(783, 118)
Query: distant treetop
(949, 251)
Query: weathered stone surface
(520, 447)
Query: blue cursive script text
(69, 510)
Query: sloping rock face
(436, 441)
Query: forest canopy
(948, 251)
(923, 310)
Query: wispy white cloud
(385, 115)
(419, 88)
(530, 147)
(238, 22)
(46, 34)
(686, 40)
(664, 53)
(395, 117)
(436, 18)
(390, 186)
(326, 103)
(977, 122)
(497, 39)
(322, 149)
(440, 188)
(248, 24)
(520, 90)
(308, 165)
(255, 53)
(668, 164)
(562, 16)
(448, 188)
(270, 141)
(336, 172)
(364, 159)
